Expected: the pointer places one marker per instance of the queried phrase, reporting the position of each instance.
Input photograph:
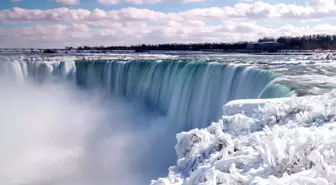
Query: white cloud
(134, 26)
(56, 35)
(68, 2)
(113, 2)
(35, 15)
(254, 11)
(127, 33)
(247, 1)
(65, 2)
(321, 4)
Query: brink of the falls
(190, 93)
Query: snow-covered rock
(292, 141)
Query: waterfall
(191, 93)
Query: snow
(283, 142)
(247, 106)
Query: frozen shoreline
(248, 106)
(287, 141)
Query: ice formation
(288, 142)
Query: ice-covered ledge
(247, 106)
(287, 141)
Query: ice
(247, 106)
(285, 141)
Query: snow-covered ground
(284, 142)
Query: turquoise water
(190, 93)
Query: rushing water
(189, 93)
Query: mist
(56, 134)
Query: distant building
(263, 46)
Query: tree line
(173, 47)
(308, 42)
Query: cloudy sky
(60, 23)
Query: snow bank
(247, 106)
(291, 141)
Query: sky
(61, 23)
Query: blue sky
(164, 7)
(59, 23)
(92, 4)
